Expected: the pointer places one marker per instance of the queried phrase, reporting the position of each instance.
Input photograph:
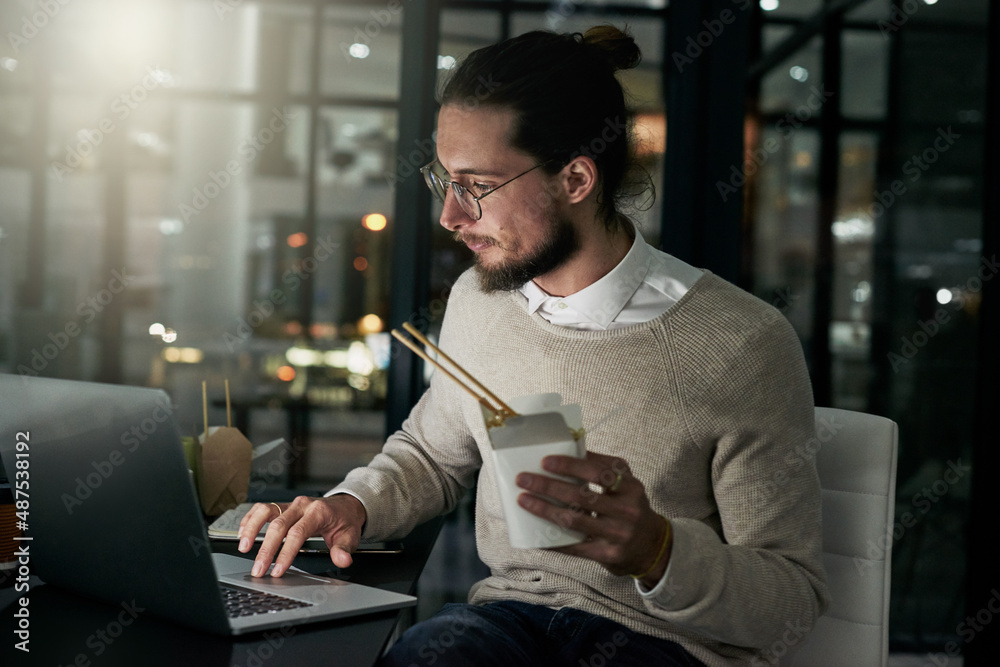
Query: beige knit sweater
(707, 404)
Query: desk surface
(70, 630)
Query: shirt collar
(601, 301)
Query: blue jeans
(512, 633)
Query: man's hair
(567, 100)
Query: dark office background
(199, 190)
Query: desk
(67, 629)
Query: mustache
(473, 239)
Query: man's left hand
(623, 533)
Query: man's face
(524, 232)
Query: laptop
(113, 515)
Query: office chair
(857, 473)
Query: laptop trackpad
(294, 583)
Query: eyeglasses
(435, 176)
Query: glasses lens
(468, 202)
(435, 183)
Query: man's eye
(481, 188)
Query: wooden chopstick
(499, 413)
(476, 383)
(204, 404)
(229, 410)
(423, 355)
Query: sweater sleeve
(752, 575)
(424, 468)
(422, 471)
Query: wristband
(663, 547)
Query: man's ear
(579, 178)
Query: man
(705, 543)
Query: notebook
(111, 501)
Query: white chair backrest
(856, 460)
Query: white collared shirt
(640, 288)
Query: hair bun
(617, 47)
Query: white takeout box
(542, 428)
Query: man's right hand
(338, 519)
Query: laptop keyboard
(243, 602)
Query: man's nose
(453, 216)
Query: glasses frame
(468, 201)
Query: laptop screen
(113, 512)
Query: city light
(854, 229)
(303, 356)
(183, 355)
(370, 324)
(374, 221)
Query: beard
(558, 246)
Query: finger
(251, 524)
(341, 547)
(295, 538)
(273, 538)
(572, 494)
(345, 534)
(616, 463)
(315, 517)
(571, 518)
(596, 468)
